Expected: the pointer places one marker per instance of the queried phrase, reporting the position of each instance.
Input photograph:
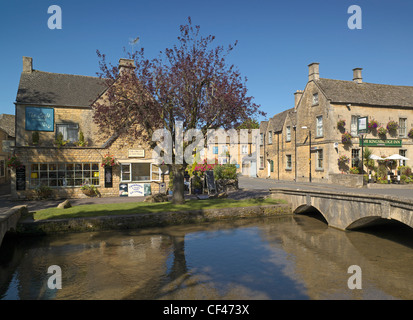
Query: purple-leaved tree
(190, 82)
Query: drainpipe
(278, 156)
(295, 153)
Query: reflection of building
(7, 136)
(52, 105)
(326, 110)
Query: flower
(343, 159)
(346, 138)
(410, 134)
(13, 162)
(341, 123)
(382, 131)
(392, 125)
(373, 124)
(108, 161)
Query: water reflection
(292, 257)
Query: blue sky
(276, 39)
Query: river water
(289, 257)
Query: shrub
(81, 142)
(59, 142)
(225, 171)
(43, 192)
(354, 170)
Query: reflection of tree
(179, 266)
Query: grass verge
(95, 210)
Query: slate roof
(7, 124)
(45, 88)
(340, 91)
(277, 121)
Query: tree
(190, 82)
(249, 124)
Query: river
(288, 257)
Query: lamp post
(309, 143)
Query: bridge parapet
(9, 219)
(347, 210)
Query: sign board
(382, 142)
(108, 177)
(123, 190)
(209, 177)
(136, 153)
(39, 119)
(139, 189)
(362, 125)
(135, 190)
(21, 178)
(7, 145)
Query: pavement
(249, 187)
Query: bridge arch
(310, 210)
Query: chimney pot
(27, 64)
(313, 71)
(357, 75)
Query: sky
(277, 40)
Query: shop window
(141, 171)
(64, 174)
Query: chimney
(297, 96)
(27, 64)
(357, 75)
(125, 64)
(313, 71)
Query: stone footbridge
(347, 210)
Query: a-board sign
(123, 190)
(21, 178)
(210, 181)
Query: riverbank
(28, 226)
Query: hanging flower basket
(392, 125)
(410, 134)
(373, 124)
(346, 138)
(382, 131)
(13, 163)
(108, 161)
(343, 159)
(341, 124)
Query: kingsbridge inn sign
(381, 143)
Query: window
(319, 132)
(315, 99)
(261, 162)
(272, 165)
(244, 149)
(288, 134)
(402, 127)
(320, 158)
(355, 157)
(141, 171)
(289, 163)
(269, 137)
(70, 131)
(2, 168)
(63, 174)
(353, 126)
(402, 152)
(262, 139)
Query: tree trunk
(178, 196)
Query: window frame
(68, 125)
(2, 168)
(316, 99)
(288, 162)
(269, 137)
(404, 135)
(152, 172)
(318, 167)
(288, 134)
(317, 127)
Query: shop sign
(136, 153)
(381, 143)
(39, 119)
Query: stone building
(51, 105)
(306, 141)
(7, 136)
